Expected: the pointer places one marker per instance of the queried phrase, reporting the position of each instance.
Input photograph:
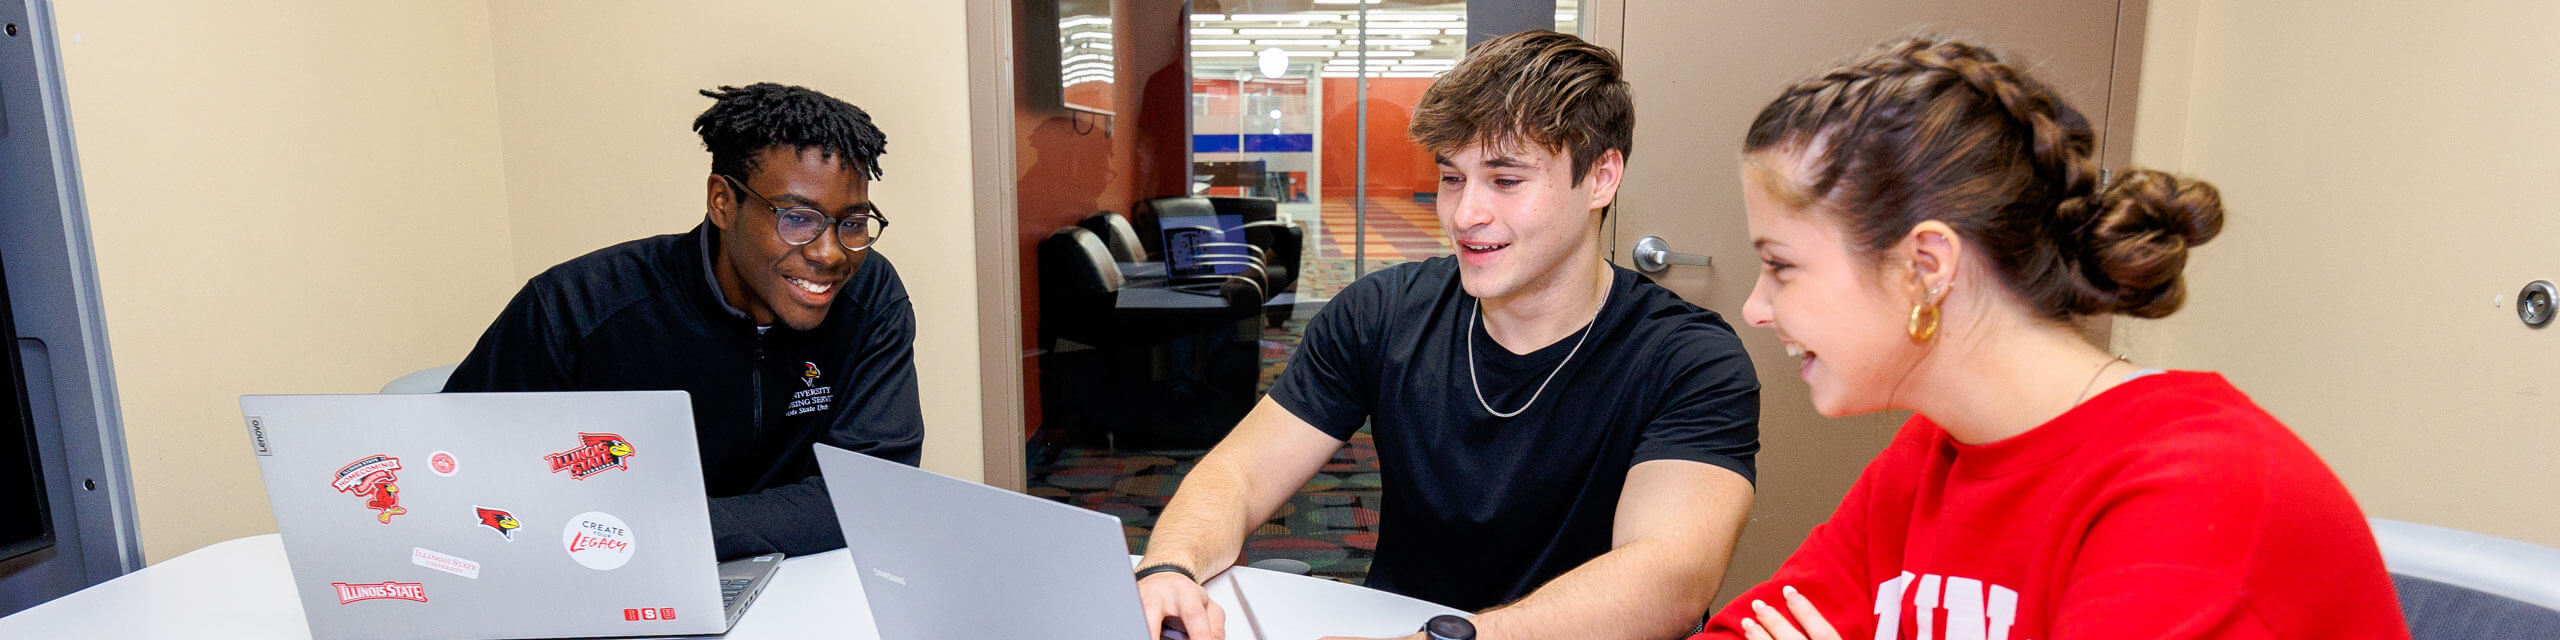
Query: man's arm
(1237, 486)
(523, 350)
(1676, 525)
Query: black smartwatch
(1166, 568)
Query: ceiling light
(1212, 32)
(1221, 43)
(1274, 62)
(1222, 54)
(1285, 32)
(1375, 16)
(1398, 31)
(1299, 43)
(1285, 17)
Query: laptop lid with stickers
(490, 515)
(941, 557)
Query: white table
(243, 589)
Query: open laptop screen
(1202, 246)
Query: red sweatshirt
(2167, 507)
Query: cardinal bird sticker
(499, 520)
(595, 453)
(375, 479)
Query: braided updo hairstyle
(1935, 129)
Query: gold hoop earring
(1924, 318)
(1924, 322)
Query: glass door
(1292, 171)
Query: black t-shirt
(1479, 510)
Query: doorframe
(1604, 23)
(991, 163)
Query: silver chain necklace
(1551, 376)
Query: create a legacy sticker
(373, 478)
(598, 540)
(595, 453)
(443, 464)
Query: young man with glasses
(1565, 446)
(777, 314)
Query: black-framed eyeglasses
(802, 225)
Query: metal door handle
(1653, 255)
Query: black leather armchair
(1100, 358)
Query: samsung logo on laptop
(884, 575)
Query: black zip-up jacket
(648, 315)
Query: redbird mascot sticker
(372, 478)
(595, 453)
(498, 520)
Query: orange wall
(1397, 167)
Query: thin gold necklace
(2093, 377)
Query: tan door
(1701, 69)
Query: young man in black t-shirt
(1566, 446)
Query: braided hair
(744, 121)
(1929, 128)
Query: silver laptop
(496, 515)
(941, 557)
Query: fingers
(1776, 623)
(1169, 595)
(1215, 615)
(1154, 613)
(1815, 626)
(1163, 595)
(1752, 631)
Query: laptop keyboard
(730, 589)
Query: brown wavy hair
(1541, 87)
(1929, 128)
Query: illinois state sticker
(596, 453)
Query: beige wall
(314, 197)
(596, 101)
(2387, 168)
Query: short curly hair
(747, 120)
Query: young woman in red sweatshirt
(1931, 223)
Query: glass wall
(1256, 162)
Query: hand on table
(1173, 595)
(1771, 624)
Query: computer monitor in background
(1197, 247)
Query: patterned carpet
(1332, 523)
